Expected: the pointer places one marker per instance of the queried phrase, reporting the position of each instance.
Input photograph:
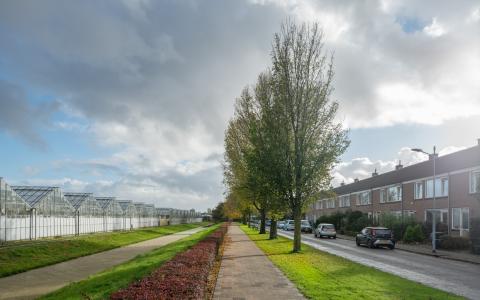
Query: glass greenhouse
(112, 213)
(88, 213)
(31, 212)
(51, 214)
(130, 218)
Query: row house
(409, 191)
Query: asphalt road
(452, 276)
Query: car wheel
(357, 242)
(370, 244)
(334, 237)
(391, 247)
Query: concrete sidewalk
(37, 282)
(247, 273)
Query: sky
(131, 98)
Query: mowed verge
(319, 275)
(27, 256)
(101, 285)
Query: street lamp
(434, 212)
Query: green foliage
(336, 219)
(396, 224)
(101, 285)
(319, 275)
(218, 213)
(454, 243)
(413, 233)
(17, 258)
(283, 140)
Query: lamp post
(434, 212)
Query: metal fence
(32, 212)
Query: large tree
(245, 151)
(308, 139)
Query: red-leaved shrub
(183, 277)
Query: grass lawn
(27, 256)
(319, 275)
(101, 285)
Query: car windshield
(382, 231)
(328, 227)
(305, 223)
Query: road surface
(452, 276)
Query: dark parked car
(375, 237)
(305, 226)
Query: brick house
(408, 191)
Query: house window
(460, 218)
(441, 215)
(409, 213)
(418, 190)
(396, 213)
(441, 187)
(391, 194)
(383, 196)
(394, 194)
(344, 201)
(475, 181)
(329, 203)
(363, 198)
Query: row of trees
(283, 140)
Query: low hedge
(454, 243)
(183, 277)
(413, 234)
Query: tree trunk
(297, 236)
(262, 221)
(273, 229)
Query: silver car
(289, 225)
(325, 230)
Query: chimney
(356, 180)
(399, 166)
(375, 173)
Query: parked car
(325, 230)
(280, 224)
(268, 223)
(289, 225)
(305, 226)
(375, 237)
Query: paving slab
(41, 281)
(247, 273)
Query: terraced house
(409, 191)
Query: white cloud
(435, 29)
(154, 81)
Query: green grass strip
(101, 285)
(320, 275)
(26, 256)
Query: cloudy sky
(131, 98)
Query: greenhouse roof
(104, 202)
(32, 194)
(125, 203)
(76, 199)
